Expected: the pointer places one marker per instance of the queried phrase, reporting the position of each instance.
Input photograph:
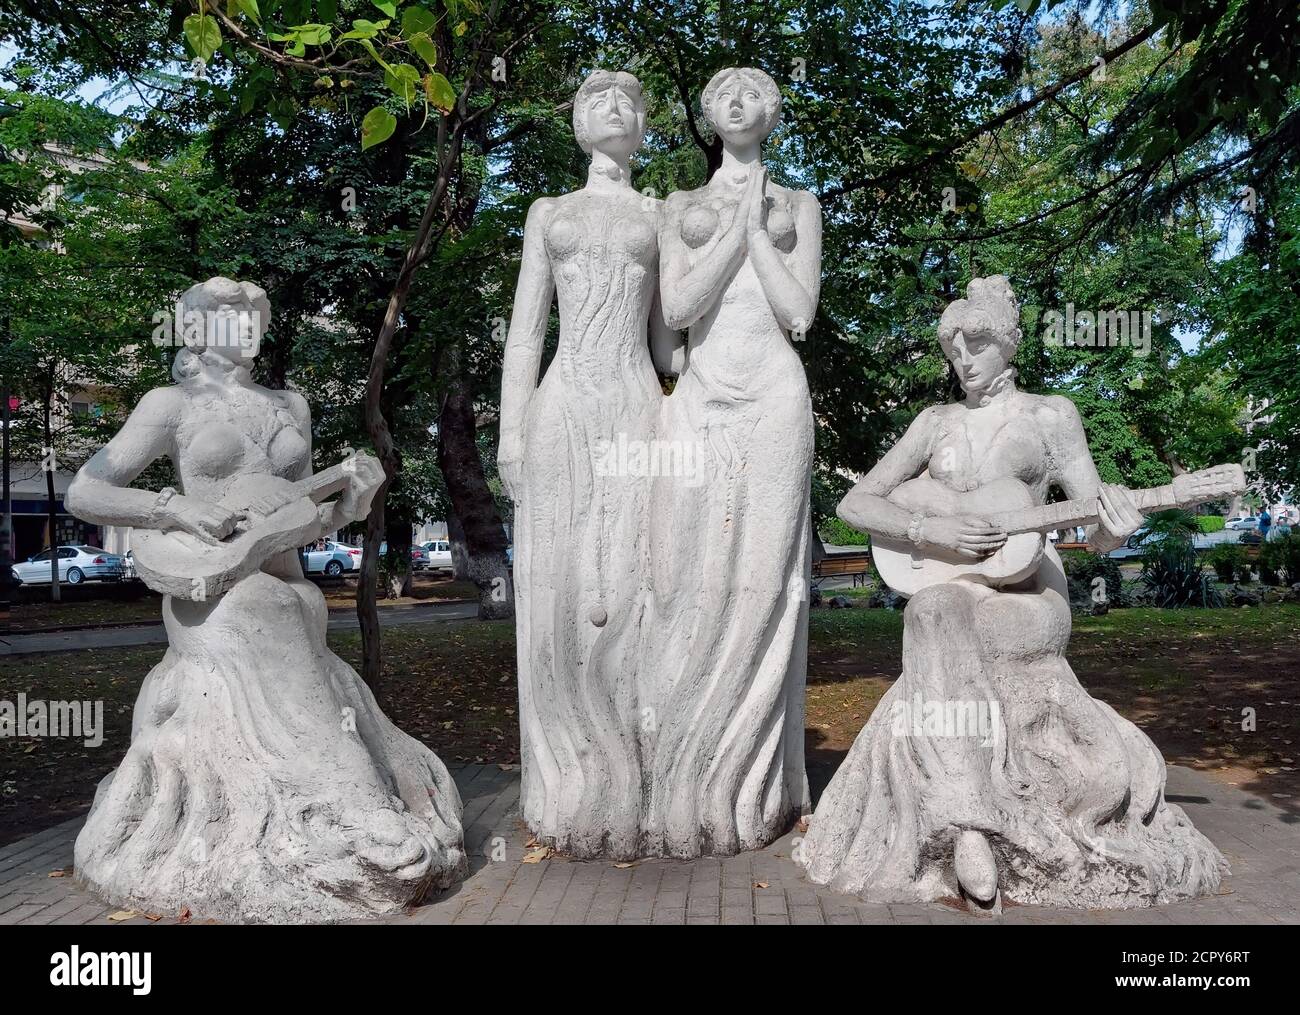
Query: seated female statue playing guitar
(254, 748)
(1056, 799)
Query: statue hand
(1118, 517)
(966, 535)
(756, 200)
(365, 478)
(511, 470)
(210, 522)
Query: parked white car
(333, 560)
(438, 554)
(76, 565)
(1249, 522)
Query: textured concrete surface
(1260, 841)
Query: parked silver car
(76, 565)
(333, 560)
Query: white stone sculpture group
(662, 613)
(662, 592)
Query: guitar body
(181, 564)
(907, 571)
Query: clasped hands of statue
(974, 538)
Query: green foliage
(837, 533)
(1210, 523)
(1085, 567)
(1229, 562)
(1279, 560)
(1175, 575)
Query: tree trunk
(367, 608)
(52, 514)
(471, 499)
(6, 507)
(397, 532)
(459, 554)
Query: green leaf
(282, 111)
(203, 34)
(403, 80)
(312, 35)
(438, 90)
(389, 7)
(249, 7)
(377, 127)
(425, 49)
(363, 29)
(370, 48)
(416, 21)
(461, 28)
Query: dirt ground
(1183, 676)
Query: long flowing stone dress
(581, 571)
(262, 782)
(730, 551)
(1068, 793)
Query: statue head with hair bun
(980, 333)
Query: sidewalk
(764, 887)
(149, 634)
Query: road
(150, 634)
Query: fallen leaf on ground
(624, 866)
(537, 855)
(122, 914)
(185, 915)
(58, 874)
(760, 884)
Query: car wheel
(75, 576)
(333, 569)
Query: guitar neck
(1067, 514)
(326, 482)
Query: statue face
(613, 123)
(234, 331)
(978, 357)
(737, 112)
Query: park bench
(837, 565)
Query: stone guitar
(179, 563)
(1008, 504)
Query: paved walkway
(1260, 841)
(150, 634)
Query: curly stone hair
(989, 308)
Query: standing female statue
(580, 571)
(262, 781)
(741, 269)
(1038, 792)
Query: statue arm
(667, 346)
(687, 291)
(792, 289)
(1078, 479)
(866, 507)
(100, 492)
(527, 335)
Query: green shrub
(1175, 576)
(1229, 560)
(1082, 566)
(1279, 560)
(1211, 523)
(837, 533)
